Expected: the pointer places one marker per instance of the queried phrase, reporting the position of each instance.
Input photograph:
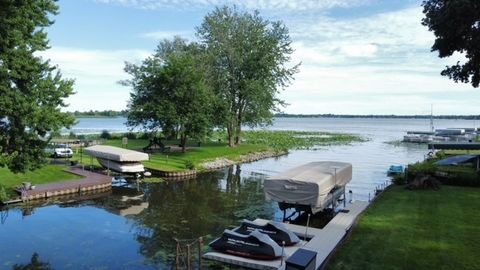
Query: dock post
(200, 243)
(369, 197)
(351, 195)
(189, 257)
(177, 255)
(306, 228)
(344, 198)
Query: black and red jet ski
(255, 245)
(276, 230)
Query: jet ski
(255, 245)
(276, 230)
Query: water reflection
(34, 264)
(204, 207)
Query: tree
(32, 92)
(456, 25)
(247, 66)
(169, 91)
(35, 264)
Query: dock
(322, 241)
(91, 181)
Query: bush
(144, 136)
(399, 179)
(189, 164)
(130, 135)
(105, 135)
(448, 175)
(72, 135)
(459, 176)
(3, 194)
(426, 167)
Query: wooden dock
(322, 241)
(91, 181)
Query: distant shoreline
(373, 116)
(286, 115)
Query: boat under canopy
(118, 159)
(313, 184)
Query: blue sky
(358, 56)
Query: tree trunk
(238, 129)
(183, 141)
(230, 134)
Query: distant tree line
(95, 113)
(416, 116)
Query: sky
(357, 56)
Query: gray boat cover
(308, 184)
(115, 153)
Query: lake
(134, 227)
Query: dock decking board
(323, 241)
(91, 181)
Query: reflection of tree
(35, 264)
(190, 209)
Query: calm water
(133, 227)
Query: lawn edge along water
(422, 229)
(47, 174)
(256, 145)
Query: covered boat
(275, 230)
(315, 185)
(255, 245)
(118, 159)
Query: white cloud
(282, 5)
(352, 65)
(96, 74)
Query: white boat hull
(130, 167)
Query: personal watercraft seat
(276, 230)
(254, 245)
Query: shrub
(144, 136)
(426, 167)
(399, 179)
(72, 135)
(130, 135)
(189, 164)
(459, 176)
(105, 135)
(3, 194)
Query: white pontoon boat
(118, 159)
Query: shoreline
(217, 164)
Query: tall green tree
(32, 91)
(456, 25)
(248, 58)
(169, 91)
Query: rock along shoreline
(220, 163)
(217, 164)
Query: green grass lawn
(254, 141)
(47, 174)
(176, 161)
(422, 229)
